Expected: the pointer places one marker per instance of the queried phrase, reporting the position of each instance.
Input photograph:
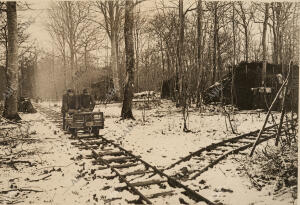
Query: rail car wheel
(67, 129)
(73, 132)
(95, 131)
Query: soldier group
(72, 103)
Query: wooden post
(269, 112)
(282, 110)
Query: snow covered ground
(156, 135)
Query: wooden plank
(121, 166)
(223, 149)
(113, 153)
(213, 153)
(245, 141)
(88, 137)
(107, 149)
(150, 182)
(118, 159)
(166, 193)
(137, 172)
(102, 168)
(231, 145)
(252, 136)
(270, 132)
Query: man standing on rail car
(86, 101)
(69, 105)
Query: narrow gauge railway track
(126, 166)
(209, 156)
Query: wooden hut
(248, 91)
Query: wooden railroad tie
(143, 183)
(137, 172)
(112, 153)
(122, 166)
(118, 159)
(166, 193)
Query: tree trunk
(183, 76)
(137, 56)
(219, 59)
(71, 43)
(129, 50)
(215, 42)
(73, 70)
(64, 61)
(234, 59)
(199, 47)
(162, 61)
(264, 44)
(180, 52)
(275, 37)
(11, 101)
(246, 44)
(85, 58)
(114, 64)
(65, 71)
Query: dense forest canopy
(87, 36)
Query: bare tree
(69, 21)
(138, 31)
(217, 8)
(199, 48)
(126, 112)
(11, 105)
(112, 12)
(246, 16)
(281, 12)
(56, 29)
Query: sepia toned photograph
(149, 102)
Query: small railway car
(88, 122)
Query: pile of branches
(218, 91)
(276, 166)
(12, 138)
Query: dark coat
(86, 102)
(69, 102)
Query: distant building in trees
(248, 90)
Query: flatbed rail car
(89, 122)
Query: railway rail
(126, 166)
(198, 162)
(191, 166)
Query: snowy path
(159, 140)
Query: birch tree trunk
(11, 101)
(130, 61)
(114, 63)
(264, 43)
